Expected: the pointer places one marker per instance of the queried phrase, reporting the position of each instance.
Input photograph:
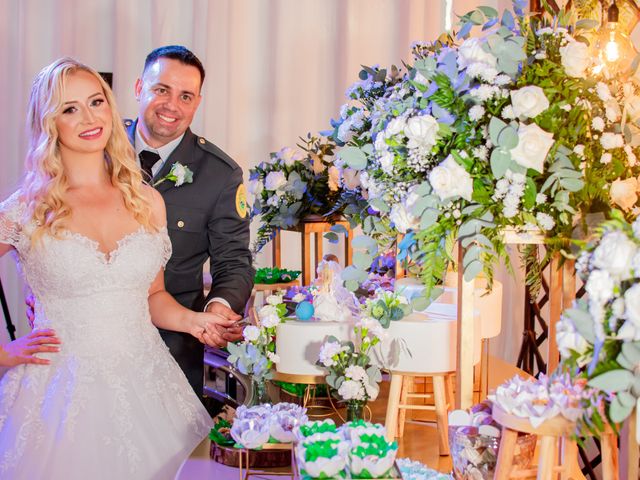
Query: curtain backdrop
(276, 69)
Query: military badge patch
(241, 201)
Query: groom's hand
(231, 333)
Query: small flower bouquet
(599, 338)
(371, 456)
(386, 306)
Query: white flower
(471, 51)
(481, 152)
(568, 338)
(402, 219)
(255, 187)
(529, 101)
(451, 180)
(483, 71)
(508, 113)
(476, 112)
(632, 304)
(344, 131)
(422, 131)
(533, 145)
(274, 299)
(273, 201)
(599, 286)
(631, 157)
(636, 228)
(394, 127)
(355, 372)
(274, 181)
(421, 79)
(610, 140)
(597, 123)
(541, 198)
(606, 158)
(251, 333)
(575, 59)
(624, 193)
(545, 221)
(579, 150)
(632, 106)
(613, 254)
(351, 390)
(273, 357)
(270, 321)
(299, 297)
(327, 351)
(180, 172)
(267, 310)
(602, 89)
(373, 326)
(612, 110)
(289, 156)
(386, 162)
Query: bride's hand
(22, 350)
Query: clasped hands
(217, 326)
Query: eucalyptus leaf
(354, 157)
(420, 303)
(618, 411)
(472, 270)
(364, 241)
(500, 162)
(332, 237)
(362, 260)
(583, 322)
(613, 381)
(631, 350)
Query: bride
(91, 240)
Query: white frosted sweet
(298, 344)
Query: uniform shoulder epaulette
(209, 147)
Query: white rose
(632, 304)
(575, 59)
(344, 131)
(394, 127)
(255, 187)
(275, 180)
(251, 333)
(180, 171)
(274, 300)
(533, 145)
(267, 310)
(471, 51)
(289, 156)
(599, 287)
(422, 131)
(529, 101)
(386, 162)
(613, 255)
(610, 140)
(270, 321)
(402, 219)
(624, 193)
(450, 180)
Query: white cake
(298, 344)
(423, 342)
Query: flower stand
(310, 399)
(245, 471)
(557, 450)
(315, 225)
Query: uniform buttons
(180, 224)
(202, 140)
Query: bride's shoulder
(15, 204)
(158, 210)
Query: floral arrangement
(272, 275)
(255, 426)
(357, 447)
(544, 398)
(292, 185)
(517, 128)
(386, 306)
(255, 355)
(351, 374)
(599, 338)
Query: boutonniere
(179, 174)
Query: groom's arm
(228, 234)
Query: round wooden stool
(557, 451)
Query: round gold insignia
(241, 201)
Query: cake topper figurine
(333, 302)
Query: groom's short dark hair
(175, 52)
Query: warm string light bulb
(611, 49)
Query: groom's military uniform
(207, 219)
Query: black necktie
(147, 161)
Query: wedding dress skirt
(113, 404)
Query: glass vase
(355, 410)
(259, 393)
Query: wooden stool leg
(306, 258)
(407, 387)
(451, 397)
(548, 458)
(505, 454)
(570, 461)
(440, 400)
(609, 446)
(391, 421)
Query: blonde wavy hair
(45, 181)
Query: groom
(207, 219)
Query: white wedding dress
(113, 404)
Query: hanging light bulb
(615, 49)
